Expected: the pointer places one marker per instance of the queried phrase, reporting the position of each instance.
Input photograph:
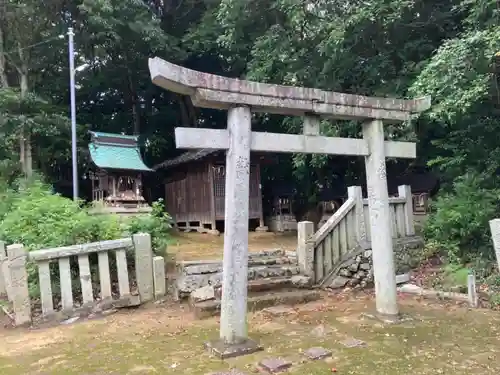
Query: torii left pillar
(233, 322)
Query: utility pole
(74, 160)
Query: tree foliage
(401, 48)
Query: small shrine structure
(195, 191)
(116, 175)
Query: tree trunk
(3, 74)
(25, 136)
(134, 103)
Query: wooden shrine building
(116, 175)
(195, 191)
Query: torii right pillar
(380, 222)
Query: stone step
(186, 283)
(273, 283)
(203, 267)
(258, 301)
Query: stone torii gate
(240, 98)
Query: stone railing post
(19, 284)
(305, 248)
(356, 193)
(404, 191)
(495, 236)
(159, 277)
(143, 255)
(4, 271)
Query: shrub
(38, 218)
(156, 224)
(33, 215)
(458, 223)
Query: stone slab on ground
(353, 343)
(204, 293)
(224, 350)
(339, 282)
(403, 278)
(274, 365)
(317, 353)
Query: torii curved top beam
(214, 91)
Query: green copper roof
(116, 151)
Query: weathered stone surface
(275, 365)
(339, 282)
(301, 281)
(224, 350)
(353, 343)
(209, 308)
(407, 254)
(403, 278)
(230, 372)
(70, 320)
(354, 267)
(359, 275)
(19, 284)
(410, 288)
(186, 283)
(143, 254)
(320, 331)
(365, 266)
(345, 272)
(220, 92)
(353, 282)
(317, 353)
(203, 269)
(203, 294)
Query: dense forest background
(448, 49)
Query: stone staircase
(273, 279)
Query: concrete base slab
(274, 365)
(317, 353)
(225, 350)
(230, 372)
(353, 343)
(388, 319)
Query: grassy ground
(195, 246)
(164, 340)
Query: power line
(35, 45)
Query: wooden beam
(217, 139)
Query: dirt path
(193, 245)
(164, 340)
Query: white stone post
(3, 270)
(404, 191)
(380, 220)
(233, 322)
(305, 248)
(356, 193)
(19, 284)
(143, 255)
(471, 289)
(160, 282)
(495, 235)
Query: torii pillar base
(224, 350)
